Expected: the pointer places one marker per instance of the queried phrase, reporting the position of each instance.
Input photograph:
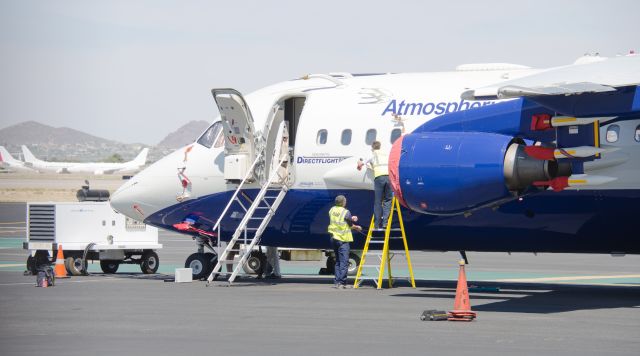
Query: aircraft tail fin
(141, 158)
(28, 156)
(5, 156)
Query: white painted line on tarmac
(11, 265)
(66, 281)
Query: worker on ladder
(340, 224)
(379, 163)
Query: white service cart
(88, 231)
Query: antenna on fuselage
(333, 80)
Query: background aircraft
(96, 168)
(9, 163)
(474, 170)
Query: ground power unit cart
(88, 231)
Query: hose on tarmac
(84, 259)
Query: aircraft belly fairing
(570, 221)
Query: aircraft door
(239, 133)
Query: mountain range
(67, 144)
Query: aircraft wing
(596, 77)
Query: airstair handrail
(226, 208)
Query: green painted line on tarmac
(11, 242)
(12, 266)
(419, 274)
(452, 274)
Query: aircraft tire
(255, 263)
(331, 265)
(354, 261)
(199, 265)
(150, 262)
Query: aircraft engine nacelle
(446, 173)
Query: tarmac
(561, 304)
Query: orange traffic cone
(461, 307)
(60, 270)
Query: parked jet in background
(11, 164)
(497, 157)
(96, 168)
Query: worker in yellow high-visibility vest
(379, 163)
(340, 224)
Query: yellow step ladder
(385, 256)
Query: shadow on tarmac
(539, 298)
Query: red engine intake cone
(394, 170)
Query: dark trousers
(341, 251)
(382, 200)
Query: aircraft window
(370, 137)
(612, 133)
(637, 134)
(209, 137)
(321, 139)
(346, 137)
(395, 133)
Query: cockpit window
(636, 136)
(212, 135)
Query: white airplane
(484, 143)
(9, 163)
(96, 168)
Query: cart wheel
(109, 266)
(150, 262)
(75, 265)
(256, 262)
(31, 265)
(331, 265)
(354, 261)
(199, 264)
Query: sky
(135, 70)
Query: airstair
(255, 220)
(384, 258)
(270, 171)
